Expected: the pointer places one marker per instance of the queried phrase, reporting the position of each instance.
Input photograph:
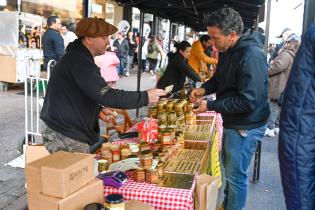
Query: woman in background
(178, 68)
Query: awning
(192, 13)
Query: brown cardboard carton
(66, 173)
(206, 192)
(33, 172)
(35, 152)
(137, 205)
(90, 193)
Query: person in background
(77, 92)
(241, 87)
(279, 72)
(154, 50)
(198, 59)
(144, 54)
(122, 48)
(67, 35)
(53, 47)
(177, 69)
(296, 146)
(108, 63)
(131, 52)
(23, 39)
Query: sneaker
(270, 132)
(276, 130)
(127, 74)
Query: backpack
(150, 48)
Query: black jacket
(122, 49)
(241, 84)
(53, 47)
(75, 91)
(176, 72)
(132, 47)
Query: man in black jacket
(76, 92)
(241, 87)
(53, 46)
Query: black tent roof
(193, 12)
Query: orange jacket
(197, 55)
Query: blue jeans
(236, 156)
(122, 65)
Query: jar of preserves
(162, 118)
(102, 165)
(152, 176)
(114, 202)
(94, 206)
(170, 106)
(160, 107)
(139, 175)
(146, 159)
(115, 152)
(125, 153)
(107, 155)
(171, 118)
(162, 157)
(152, 112)
(144, 146)
(179, 108)
(189, 118)
(189, 107)
(166, 137)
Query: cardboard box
(35, 152)
(33, 174)
(90, 193)
(206, 192)
(60, 174)
(66, 173)
(137, 205)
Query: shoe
(152, 72)
(270, 132)
(127, 74)
(276, 130)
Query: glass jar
(166, 137)
(171, 118)
(125, 153)
(162, 157)
(107, 155)
(152, 112)
(162, 118)
(146, 159)
(152, 176)
(160, 107)
(189, 107)
(179, 108)
(114, 202)
(170, 106)
(144, 146)
(189, 118)
(102, 165)
(94, 206)
(115, 152)
(139, 175)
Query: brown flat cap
(94, 27)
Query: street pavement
(265, 195)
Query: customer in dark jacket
(52, 41)
(297, 123)
(178, 68)
(76, 90)
(121, 46)
(241, 87)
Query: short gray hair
(227, 20)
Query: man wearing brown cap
(76, 91)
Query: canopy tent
(192, 13)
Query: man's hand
(155, 94)
(196, 94)
(202, 107)
(108, 115)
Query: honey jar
(102, 165)
(125, 153)
(115, 152)
(144, 146)
(179, 108)
(162, 118)
(189, 118)
(160, 107)
(139, 175)
(146, 159)
(170, 107)
(152, 112)
(189, 107)
(171, 118)
(114, 202)
(152, 176)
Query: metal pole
(140, 55)
(267, 26)
(256, 172)
(170, 37)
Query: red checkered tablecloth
(160, 198)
